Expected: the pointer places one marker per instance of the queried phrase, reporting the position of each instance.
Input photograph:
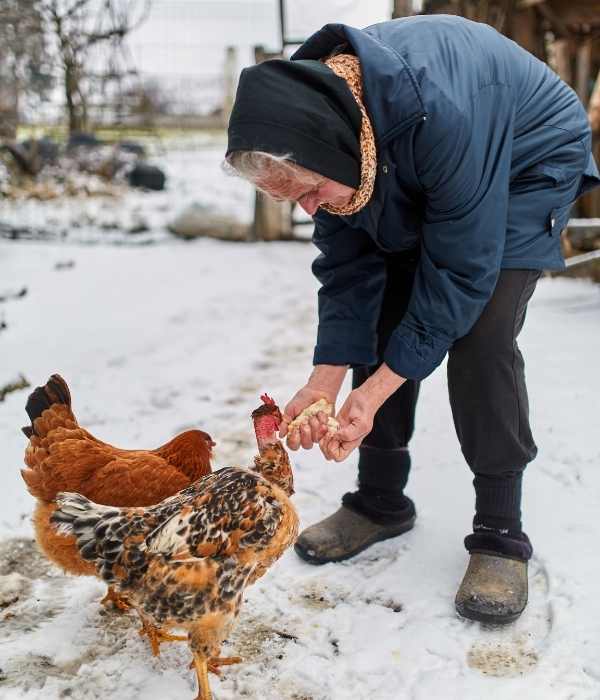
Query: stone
(199, 220)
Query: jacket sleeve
(352, 275)
(463, 160)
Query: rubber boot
(348, 532)
(494, 588)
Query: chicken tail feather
(106, 535)
(77, 515)
(55, 391)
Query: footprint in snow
(516, 649)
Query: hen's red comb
(265, 398)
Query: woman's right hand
(324, 383)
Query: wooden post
(594, 107)
(562, 60)
(230, 73)
(584, 69)
(9, 102)
(525, 27)
(592, 199)
(282, 31)
(272, 219)
(402, 8)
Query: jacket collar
(391, 93)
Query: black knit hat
(300, 108)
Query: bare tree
(24, 60)
(80, 28)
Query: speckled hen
(186, 561)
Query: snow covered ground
(154, 339)
(133, 217)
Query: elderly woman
(439, 161)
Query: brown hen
(186, 561)
(62, 456)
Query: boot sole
(486, 618)
(318, 561)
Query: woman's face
(326, 192)
(310, 193)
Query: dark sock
(385, 469)
(380, 507)
(511, 546)
(498, 503)
(382, 476)
(497, 525)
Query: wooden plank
(594, 107)
(562, 59)
(584, 70)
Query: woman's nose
(310, 203)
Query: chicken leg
(215, 662)
(201, 666)
(119, 602)
(157, 636)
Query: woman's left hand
(358, 412)
(356, 422)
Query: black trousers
(488, 397)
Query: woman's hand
(358, 412)
(356, 420)
(324, 383)
(308, 433)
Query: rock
(83, 139)
(200, 220)
(138, 224)
(43, 151)
(148, 177)
(21, 157)
(12, 587)
(8, 296)
(132, 147)
(16, 385)
(64, 264)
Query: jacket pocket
(538, 177)
(566, 164)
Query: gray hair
(280, 172)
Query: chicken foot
(201, 665)
(157, 636)
(119, 602)
(215, 663)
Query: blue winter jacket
(481, 151)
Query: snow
(131, 217)
(154, 339)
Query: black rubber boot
(494, 588)
(349, 531)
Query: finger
(293, 408)
(335, 450)
(344, 449)
(283, 427)
(293, 440)
(305, 436)
(315, 428)
(323, 417)
(323, 431)
(324, 448)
